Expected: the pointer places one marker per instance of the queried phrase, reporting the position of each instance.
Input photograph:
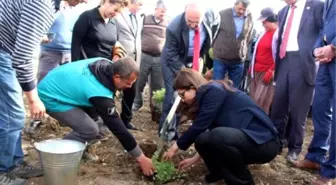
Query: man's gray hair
(160, 4)
(193, 5)
(245, 3)
(125, 67)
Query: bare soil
(117, 168)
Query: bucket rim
(38, 146)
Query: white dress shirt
(293, 34)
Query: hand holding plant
(171, 152)
(146, 165)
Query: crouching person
(68, 90)
(239, 132)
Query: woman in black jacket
(240, 133)
(95, 33)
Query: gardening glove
(268, 76)
(118, 51)
(146, 165)
(249, 70)
(115, 58)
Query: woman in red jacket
(262, 65)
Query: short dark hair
(245, 3)
(124, 67)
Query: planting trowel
(169, 122)
(167, 131)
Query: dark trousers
(228, 151)
(150, 65)
(127, 102)
(84, 127)
(292, 97)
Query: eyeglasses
(182, 94)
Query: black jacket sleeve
(107, 110)
(79, 31)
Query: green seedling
(165, 170)
(158, 95)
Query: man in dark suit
(324, 102)
(299, 25)
(192, 26)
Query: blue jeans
(323, 112)
(12, 115)
(235, 71)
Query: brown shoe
(323, 181)
(306, 164)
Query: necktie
(196, 49)
(133, 20)
(285, 38)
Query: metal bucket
(60, 160)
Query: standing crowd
(248, 94)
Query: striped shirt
(22, 25)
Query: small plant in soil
(165, 170)
(158, 97)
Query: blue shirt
(62, 27)
(191, 39)
(71, 85)
(239, 22)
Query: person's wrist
(32, 96)
(175, 147)
(333, 48)
(195, 158)
(141, 158)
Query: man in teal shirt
(91, 84)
